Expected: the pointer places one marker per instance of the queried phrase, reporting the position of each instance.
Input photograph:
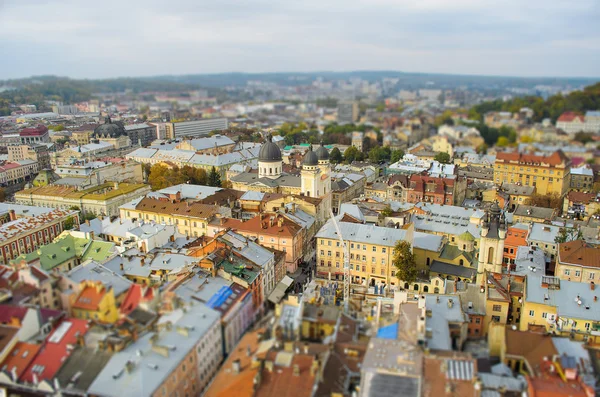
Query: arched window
(406, 286)
(428, 261)
(416, 287)
(436, 290)
(461, 262)
(270, 170)
(490, 255)
(464, 247)
(425, 289)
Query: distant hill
(552, 108)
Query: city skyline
(149, 39)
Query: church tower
(310, 174)
(491, 243)
(270, 164)
(316, 179)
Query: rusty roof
(22, 226)
(181, 208)
(578, 252)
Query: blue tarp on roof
(389, 332)
(219, 298)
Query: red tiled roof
(89, 298)
(34, 131)
(581, 197)
(55, 350)
(20, 357)
(569, 117)
(132, 299)
(555, 158)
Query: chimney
(248, 351)
(269, 365)
(12, 215)
(314, 368)
(236, 366)
(296, 370)
(305, 348)
(592, 286)
(121, 266)
(450, 303)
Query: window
(544, 315)
(364, 258)
(477, 320)
(328, 253)
(591, 276)
(374, 249)
(352, 245)
(496, 319)
(364, 268)
(497, 308)
(383, 250)
(531, 313)
(322, 252)
(577, 273)
(364, 247)
(373, 259)
(329, 243)
(490, 257)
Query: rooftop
(22, 225)
(361, 233)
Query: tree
(584, 137)
(396, 156)
(568, 234)
(69, 223)
(552, 200)
(350, 154)
(387, 211)
(2, 195)
(335, 157)
(159, 178)
(502, 141)
(214, 178)
(442, 157)
(404, 261)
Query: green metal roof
(466, 236)
(66, 248)
(239, 271)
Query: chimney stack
(236, 366)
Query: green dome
(466, 236)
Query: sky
(91, 39)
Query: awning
(279, 292)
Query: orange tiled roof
(282, 381)
(229, 384)
(579, 252)
(532, 346)
(89, 298)
(182, 208)
(554, 159)
(20, 357)
(435, 381)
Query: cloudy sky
(143, 38)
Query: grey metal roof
(370, 234)
(544, 233)
(430, 242)
(93, 271)
(148, 368)
(534, 212)
(310, 158)
(453, 270)
(441, 316)
(86, 362)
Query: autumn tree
(551, 200)
(404, 261)
(2, 195)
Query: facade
(34, 152)
(347, 112)
(548, 174)
(17, 172)
(196, 128)
(572, 123)
(95, 301)
(104, 199)
(371, 252)
(578, 261)
(141, 134)
(84, 173)
(447, 191)
(24, 235)
(582, 179)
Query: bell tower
(491, 242)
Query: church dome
(269, 151)
(310, 158)
(322, 153)
(109, 129)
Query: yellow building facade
(548, 174)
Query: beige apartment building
(371, 251)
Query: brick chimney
(12, 215)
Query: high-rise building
(196, 128)
(347, 112)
